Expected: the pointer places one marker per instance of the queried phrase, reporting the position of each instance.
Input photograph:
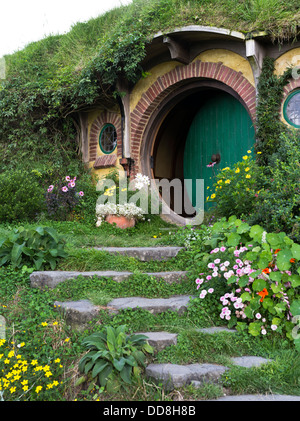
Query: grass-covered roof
(51, 79)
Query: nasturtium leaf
(254, 329)
(256, 232)
(233, 239)
(295, 280)
(259, 284)
(296, 251)
(283, 259)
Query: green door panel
(222, 126)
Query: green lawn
(41, 333)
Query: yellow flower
(237, 170)
(248, 176)
(227, 168)
(227, 182)
(258, 153)
(249, 151)
(38, 389)
(48, 374)
(24, 382)
(25, 388)
(213, 196)
(11, 354)
(124, 189)
(12, 389)
(220, 181)
(247, 169)
(44, 324)
(154, 236)
(6, 361)
(55, 323)
(57, 360)
(245, 157)
(67, 339)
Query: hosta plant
(113, 356)
(257, 277)
(39, 247)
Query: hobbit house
(195, 106)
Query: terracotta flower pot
(121, 221)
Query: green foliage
(39, 248)
(114, 355)
(263, 274)
(21, 195)
(270, 95)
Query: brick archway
(105, 118)
(169, 82)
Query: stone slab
(145, 254)
(160, 340)
(249, 361)
(77, 313)
(216, 329)
(256, 398)
(50, 279)
(174, 375)
(177, 303)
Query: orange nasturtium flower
(266, 270)
(276, 251)
(262, 294)
(292, 260)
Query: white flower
(274, 327)
(263, 331)
(264, 237)
(141, 181)
(211, 290)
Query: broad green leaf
(246, 296)
(259, 285)
(283, 259)
(98, 367)
(16, 252)
(243, 281)
(126, 374)
(119, 364)
(233, 239)
(295, 280)
(276, 288)
(296, 251)
(40, 230)
(248, 312)
(295, 308)
(254, 329)
(275, 276)
(244, 227)
(256, 232)
(273, 239)
(53, 234)
(103, 375)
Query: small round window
(291, 109)
(108, 139)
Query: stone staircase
(79, 313)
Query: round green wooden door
(222, 126)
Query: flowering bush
(21, 379)
(257, 276)
(62, 198)
(123, 207)
(237, 188)
(129, 210)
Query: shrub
(39, 247)
(113, 355)
(256, 274)
(62, 198)
(21, 195)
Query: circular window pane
(292, 109)
(108, 139)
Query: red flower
(262, 294)
(292, 260)
(266, 270)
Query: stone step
(177, 303)
(50, 279)
(160, 340)
(145, 254)
(175, 375)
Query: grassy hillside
(48, 81)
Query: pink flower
(273, 327)
(208, 277)
(50, 188)
(71, 184)
(258, 315)
(81, 193)
(68, 178)
(211, 265)
(223, 249)
(210, 290)
(65, 189)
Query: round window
(291, 109)
(108, 139)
